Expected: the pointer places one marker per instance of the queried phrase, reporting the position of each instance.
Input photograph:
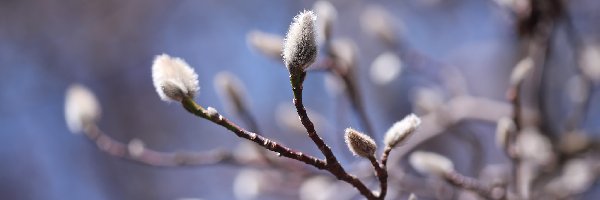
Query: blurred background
(109, 46)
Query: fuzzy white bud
(81, 108)
(532, 146)
(430, 163)
(231, 89)
(360, 144)
(300, 45)
(401, 130)
(173, 78)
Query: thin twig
(381, 173)
(197, 110)
(156, 158)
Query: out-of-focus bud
(532, 146)
(317, 188)
(590, 62)
(426, 100)
(521, 70)
(385, 68)
(173, 78)
(248, 184)
(504, 128)
(430, 163)
(376, 21)
(401, 130)
(412, 196)
(345, 52)
(300, 45)
(81, 108)
(268, 44)
(360, 144)
(327, 16)
(231, 89)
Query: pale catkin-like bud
(231, 89)
(266, 43)
(345, 52)
(173, 78)
(136, 147)
(505, 127)
(81, 108)
(412, 196)
(327, 16)
(385, 68)
(590, 61)
(532, 146)
(401, 130)
(521, 70)
(300, 45)
(360, 144)
(430, 163)
(376, 21)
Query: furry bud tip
(81, 108)
(300, 45)
(401, 130)
(173, 78)
(431, 163)
(360, 144)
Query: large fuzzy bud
(360, 144)
(173, 78)
(300, 45)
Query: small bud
(412, 196)
(385, 68)
(231, 89)
(212, 112)
(345, 52)
(590, 62)
(521, 70)
(300, 45)
(532, 146)
(401, 130)
(430, 163)
(327, 16)
(136, 147)
(376, 21)
(505, 127)
(426, 100)
(360, 144)
(268, 44)
(173, 78)
(81, 108)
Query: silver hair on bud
(300, 45)
(360, 144)
(173, 78)
(401, 130)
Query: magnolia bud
(81, 108)
(327, 16)
(430, 163)
(401, 130)
(300, 45)
(360, 144)
(173, 78)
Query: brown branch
(156, 158)
(197, 110)
(381, 173)
(473, 185)
(332, 164)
